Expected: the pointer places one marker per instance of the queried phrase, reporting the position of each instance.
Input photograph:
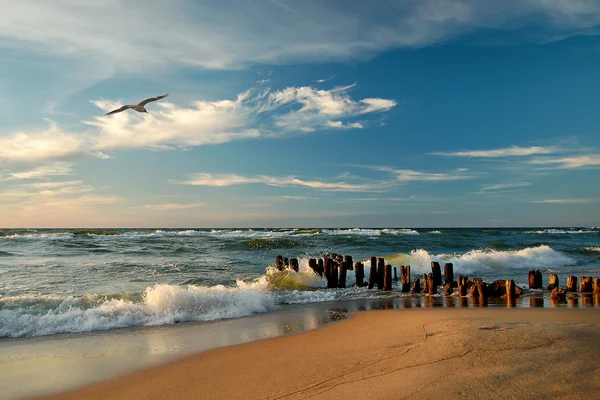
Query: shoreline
(416, 341)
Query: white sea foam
(39, 236)
(562, 231)
(595, 249)
(483, 261)
(369, 232)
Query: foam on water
(562, 231)
(489, 260)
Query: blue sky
(323, 113)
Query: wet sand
(392, 354)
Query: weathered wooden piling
(552, 281)
(596, 286)
(425, 284)
(373, 273)
(279, 263)
(405, 278)
(432, 288)
(286, 262)
(585, 284)
(558, 294)
(462, 285)
(416, 288)
(380, 272)
(359, 271)
(448, 289)
(437, 274)
(535, 279)
(294, 264)
(478, 288)
(321, 267)
(571, 284)
(387, 277)
(312, 264)
(395, 274)
(348, 259)
(448, 273)
(331, 273)
(510, 289)
(344, 266)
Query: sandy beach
(390, 354)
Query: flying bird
(138, 107)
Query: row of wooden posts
(333, 267)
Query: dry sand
(395, 354)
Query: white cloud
(567, 201)
(408, 175)
(501, 186)
(121, 37)
(221, 180)
(340, 125)
(46, 145)
(173, 206)
(569, 162)
(43, 171)
(513, 151)
(251, 114)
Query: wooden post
(359, 271)
(395, 274)
(585, 284)
(286, 261)
(437, 274)
(334, 276)
(348, 259)
(387, 278)
(279, 263)
(380, 272)
(294, 264)
(344, 266)
(312, 264)
(476, 290)
(416, 286)
(405, 278)
(553, 281)
(596, 286)
(448, 289)
(510, 289)
(462, 285)
(431, 284)
(535, 279)
(331, 273)
(425, 284)
(571, 284)
(448, 273)
(373, 273)
(321, 267)
(481, 288)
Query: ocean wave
(39, 236)
(161, 304)
(485, 261)
(369, 232)
(561, 231)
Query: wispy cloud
(44, 171)
(222, 180)
(514, 151)
(340, 125)
(567, 201)
(173, 206)
(325, 79)
(160, 34)
(569, 162)
(409, 175)
(502, 186)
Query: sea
(56, 281)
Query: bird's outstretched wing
(143, 103)
(118, 110)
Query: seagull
(138, 107)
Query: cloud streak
(222, 180)
(514, 151)
(567, 201)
